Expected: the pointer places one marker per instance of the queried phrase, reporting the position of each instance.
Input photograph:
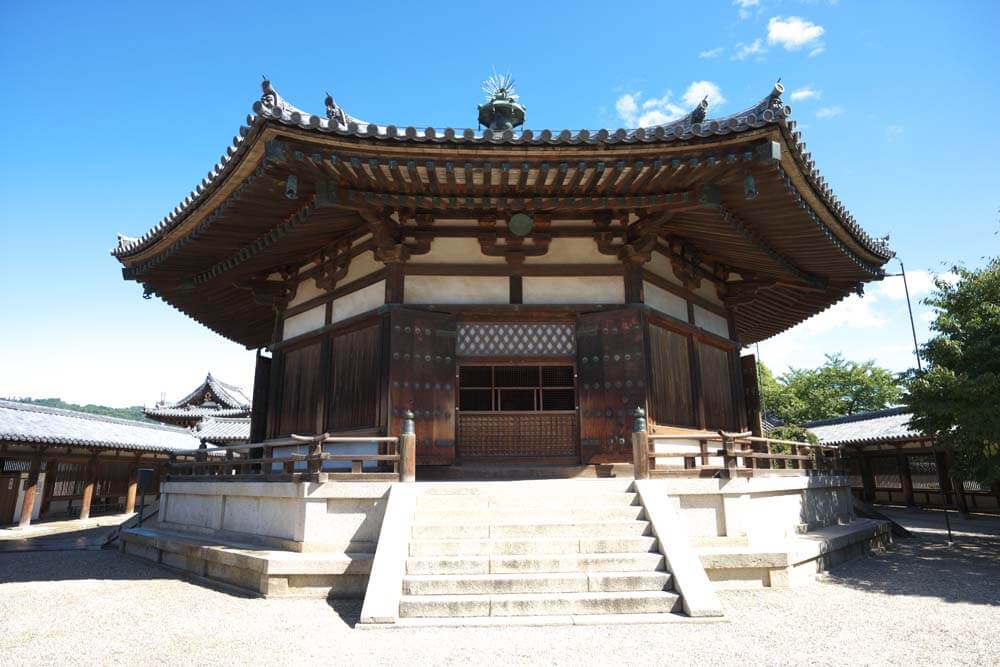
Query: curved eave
(273, 111)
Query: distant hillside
(133, 412)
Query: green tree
(793, 433)
(956, 399)
(837, 388)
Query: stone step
(539, 604)
(508, 515)
(545, 582)
(528, 501)
(638, 562)
(524, 547)
(540, 487)
(594, 529)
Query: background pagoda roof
(227, 400)
(35, 424)
(222, 431)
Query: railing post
(316, 454)
(640, 445)
(728, 455)
(408, 449)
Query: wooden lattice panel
(522, 340)
(517, 435)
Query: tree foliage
(793, 433)
(837, 388)
(956, 398)
(134, 412)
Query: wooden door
(611, 364)
(8, 497)
(422, 379)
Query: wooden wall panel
(301, 390)
(422, 378)
(611, 364)
(717, 387)
(670, 391)
(355, 380)
(261, 394)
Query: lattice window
(522, 340)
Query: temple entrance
(517, 413)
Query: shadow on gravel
(349, 611)
(967, 571)
(73, 565)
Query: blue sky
(114, 111)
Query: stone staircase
(533, 548)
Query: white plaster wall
(306, 290)
(314, 318)
(457, 289)
(583, 289)
(691, 447)
(363, 265)
(455, 251)
(664, 301)
(572, 251)
(361, 301)
(660, 266)
(709, 321)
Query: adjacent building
(63, 463)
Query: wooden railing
(734, 454)
(397, 463)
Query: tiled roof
(27, 423)
(222, 431)
(195, 412)
(272, 107)
(229, 395)
(882, 425)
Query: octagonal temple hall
(498, 370)
(521, 291)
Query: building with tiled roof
(889, 425)
(212, 398)
(68, 463)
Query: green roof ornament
(502, 111)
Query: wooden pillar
(88, 487)
(30, 491)
(133, 485)
(408, 449)
(957, 487)
(867, 477)
(640, 445)
(905, 478)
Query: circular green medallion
(520, 224)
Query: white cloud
(818, 50)
(854, 312)
(893, 131)
(636, 112)
(745, 6)
(744, 51)
(829, 112)
(699, 90)
(806, 93)
(793, 33)
(919, 281)
(711, 53)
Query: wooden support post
(88, 487)
(961, 502)
(703, 446)
(408, 449)
(905, 478)
(867, 477)
(316, 455)
(30, 491)
(133, 485)
(640, 445)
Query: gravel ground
(920, 603)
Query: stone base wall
(759, 509)
(298, 516)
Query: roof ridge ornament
(502, 110)
(333, 111)
(269, 96)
